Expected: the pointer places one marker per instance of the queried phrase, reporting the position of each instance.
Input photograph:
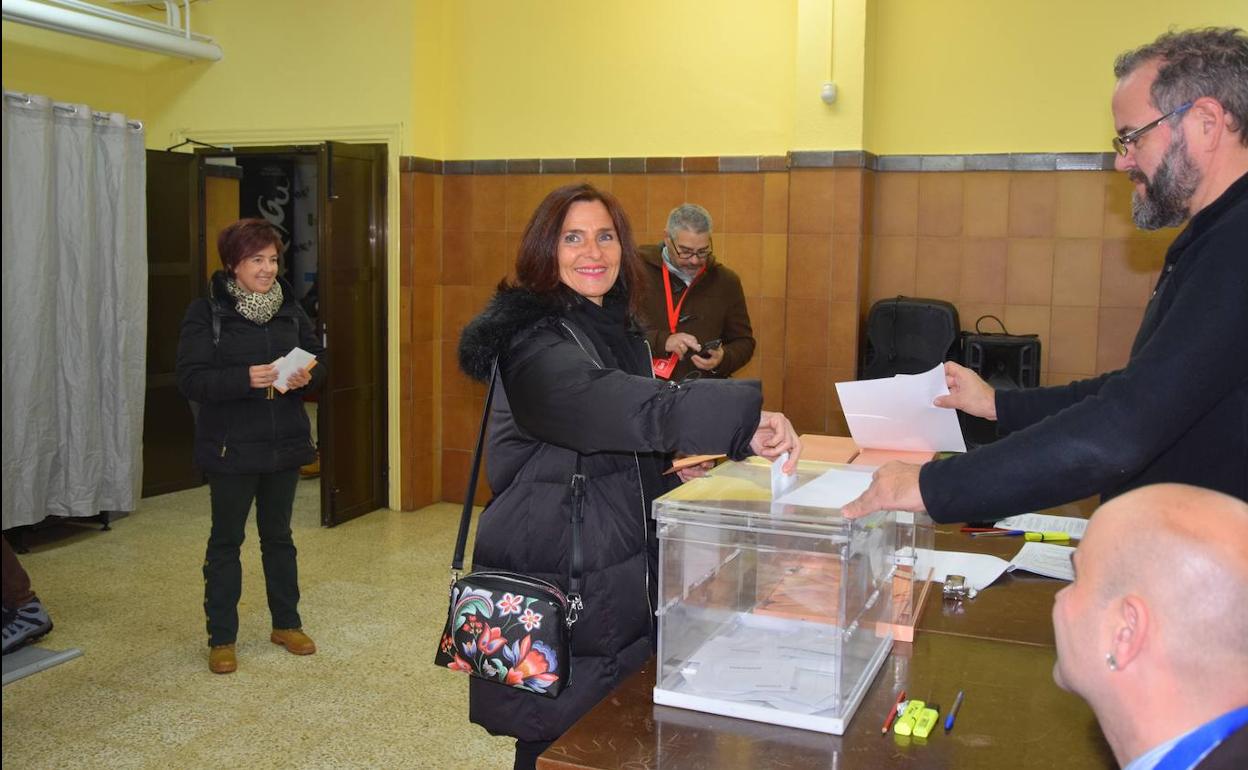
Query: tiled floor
(141, 696)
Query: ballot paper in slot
(897, 413)
(287, 365)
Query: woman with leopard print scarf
(250, 439)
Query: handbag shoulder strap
(465, 518)
(578, 506)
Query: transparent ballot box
(775, 611)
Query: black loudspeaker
(1005, 361)
(908, 335)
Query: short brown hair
(245, 238)
(537, 263)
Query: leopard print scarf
(257, 308)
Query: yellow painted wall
(107, 77)
(830, 47)
(288, 65)
(569, 78)
(961, 76)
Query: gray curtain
(75, 310)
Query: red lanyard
(673, 313)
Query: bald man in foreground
(1153, 632)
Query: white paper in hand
(781, 483)
(897, 413)
(289, 364)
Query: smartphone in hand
(707, 347)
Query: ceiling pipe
(108, 30)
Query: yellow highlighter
(905, 723)
(1047, 537)
(925, 722)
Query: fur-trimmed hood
(490, 334)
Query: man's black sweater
(1177, 412)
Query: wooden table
(997, 647)
(1013, 716)
(1016, 608)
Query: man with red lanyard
(693, 307)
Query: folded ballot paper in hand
(289, 364)
(897, 413)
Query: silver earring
(1109, 661)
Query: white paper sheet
(290, 363)
(1042, 522)
(833, 489)
(897, 413)
(1045, 559)
(780, 482)
(979, 569)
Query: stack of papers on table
(1043, 522)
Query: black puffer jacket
(556, 400)
(239, 429)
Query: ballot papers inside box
(769, 611)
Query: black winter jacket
(556, 400)
(239, 429)
(1177, 412)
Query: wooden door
(174, 270)
(353, 409)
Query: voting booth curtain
(75, 310)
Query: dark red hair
(246, 238)
(537, 263)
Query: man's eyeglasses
(704, 255)
(1123, 142)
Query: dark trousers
(232, 494)
(15, 580)
(527, 753)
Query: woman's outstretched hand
(774, 437)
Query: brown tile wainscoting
(1037, 241)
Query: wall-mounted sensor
(828, 93)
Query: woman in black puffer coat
(250, 438)
(576, 384)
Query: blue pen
(953, 712)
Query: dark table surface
(1015, 608)
(1013, 716)
(998, 647)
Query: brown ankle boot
(294, 640)
(221, 659)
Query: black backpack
(908, 335)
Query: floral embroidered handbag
(507, 627)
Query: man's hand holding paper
(909, 411)
(968, 392)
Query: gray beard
(1165, 200)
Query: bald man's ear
(1131, 627)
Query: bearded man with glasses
(694, 309)
(1178, 410)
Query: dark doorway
(329, 200)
